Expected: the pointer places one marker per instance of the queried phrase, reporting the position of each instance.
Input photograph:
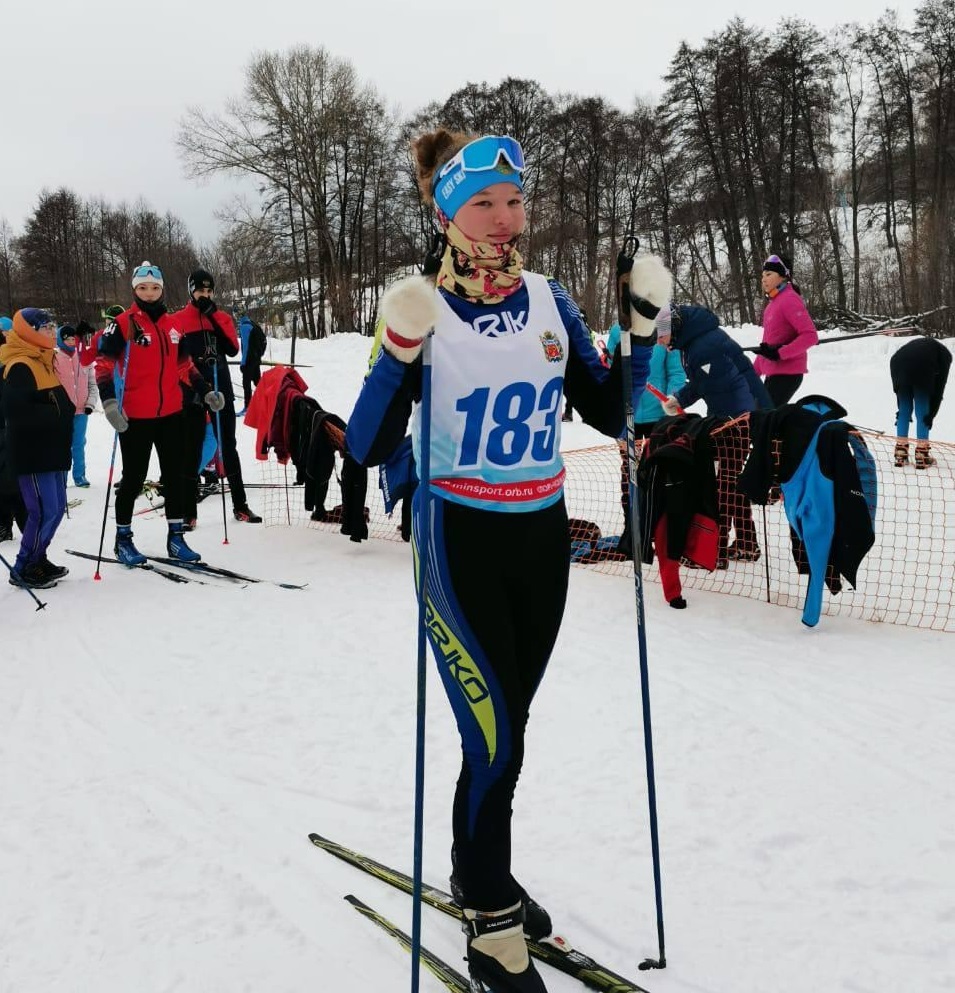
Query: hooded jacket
(717, 369)
(37, 411)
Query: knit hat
(63, 332)
(6, 324)
(780, 264)
(146, 272)
(201, 280)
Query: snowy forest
(836, 149)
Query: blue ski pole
(120, 391)
(624, 265)
(423, 557)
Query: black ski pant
(251, 374)
(782, 388)
(195, 432)
(165, 434)
(497, 588)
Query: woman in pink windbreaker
(79, 381)
(788, 332)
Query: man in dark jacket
(719, 373)
(919, 372)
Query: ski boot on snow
(176, 545)
(124, 549)
(498, 961)
(923, 458)
(537, 923)
(245, 515)
(901, 454)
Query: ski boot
(923, 458)
(497, 952)
(537, 923)
(176, 544)
(901, 454)
(124, 549)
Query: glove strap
(400, 342)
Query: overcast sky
(93, 93)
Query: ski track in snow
(165, 749)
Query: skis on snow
(173, 577)
(219, 572)
(451, 978)
(555, 950)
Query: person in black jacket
(919, 372)
(210, 338)
(38, 416)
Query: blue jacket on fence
(717, 369)
(666, 374)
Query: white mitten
(671, 406)
(651, 287)
(410, 310)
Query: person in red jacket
(146, 407)
(210, 338)
(788, 332)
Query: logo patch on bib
(553, 349)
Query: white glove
(651, 287)
(409, 309)
(214, 401)
(115, 416)
(671, 406)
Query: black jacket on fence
(677, 477)
(922, 364)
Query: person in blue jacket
(508, 345)
(719, 373)
(252, 339)
(667, 375)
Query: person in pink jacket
(79, 381)
(788, 332)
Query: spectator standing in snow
(919, 371)
(39, 422)
(146, 346)
(210, 339)
(719, 373)
(12, 506)
(507, 344)
(667, 375)
(788, 332)
(252, 339)
(80, 384)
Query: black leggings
(781, 388)
(498, 584)
(251, 374)
(136, 444)
(195, 431)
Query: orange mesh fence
(908, 576)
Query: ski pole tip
(646, 964)
(97, 577)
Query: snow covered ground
(165, 750)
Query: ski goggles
(482, 163)
(147, 274)
(775, 260)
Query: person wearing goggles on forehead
(146, 346)
(508, 345)
(38, 420)
(788, 332)
(210, 339)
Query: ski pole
(624, 265)
(422, 549)
(112, 465)
(220, 458)
(39, 603)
